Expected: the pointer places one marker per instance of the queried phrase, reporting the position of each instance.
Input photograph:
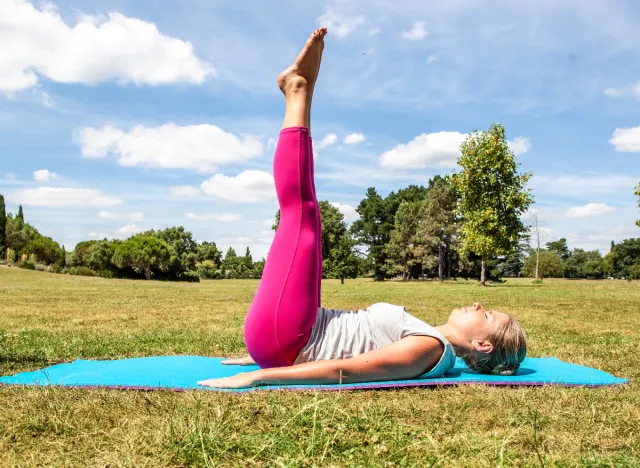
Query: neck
(452, 336)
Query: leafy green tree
(513, 263)
(373, 230)
(584, 264)
(622, 257)
(45, 249)
(80, 255)
(98, 256)
(549, 265)
(19, 233)
(142, 253)
(3, 229)
(438, 223)
(209, 251)
(184, 248)
(493, 195)
(20, 213)
(560, 247)
(401, 251)
(230, 263)
(341, 263)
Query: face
(475, 324)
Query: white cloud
(632, 89)
(520, 145)
(349, 212)
(338, 24)
(135, 217)
(94, 50)
(417, 33)
(268, 222)
(374, 31)
(220, 217)
(328, 140)
(589, 210)
(127, 231)
(432, 58)
(184, 191)
(198, 147)
(442, 149)
(62, 197)
(10, 176)
(246, 187)
(43, 175)
(354, 138)
(626, 139)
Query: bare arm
(404, 359)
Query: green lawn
(47, 319)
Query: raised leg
(284, 309)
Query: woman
(294, 340)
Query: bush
(56, 269)
(80, 271)
(27, 265)
(190, 277)
(11, 255)
(538, 281)
(104, 274)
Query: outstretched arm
(404, 359)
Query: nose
(477, 306)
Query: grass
(47, 319)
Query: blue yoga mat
(182, 373)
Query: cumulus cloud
(417, 32)
(441, 149)
(328, 140)
(246, 187)
(62, 197)
(626, 139)
(589, 210)
(197, 147)
(127, 231)
(340, 25)
(349, 212)
(520, 145)
(134, 217)
(43, 175)
(220, 217)
(354, 138)
(630, 90)
(184, 191)
(94, 50)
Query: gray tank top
(342, 334)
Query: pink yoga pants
(285, 306)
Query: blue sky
(119, 116)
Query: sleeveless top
(341, 334)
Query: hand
(245, 361)
(241, 380)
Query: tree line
(466, 224)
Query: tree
(184, 248)
(373, 230)
(622, 257)
(143, 253)
(209, 251)
(98, 256)
(20, 213)
(45, 249)
(19, 233)
(537, 232)
(3, 229)
(513, 263)
(584, 264)
(438, 223)
(560, 247)
(341, 262)
(493, 195)
(401, 252)
(549, 264)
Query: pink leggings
(285, 306)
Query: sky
(118, 116)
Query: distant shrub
(42, 267)
(538, 281)
(104, 273)
(190, 277)
(56, 269)
(11, 255)
(27, 265)
(80, 271)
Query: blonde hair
(509, 350)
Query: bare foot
(303, 73)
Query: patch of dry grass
(46, 319)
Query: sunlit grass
(47, 319)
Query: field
(47, 319)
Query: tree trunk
(341, 280)
(441, 263)
(147, 272)
(483, 271)
(537, 261)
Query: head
(490, 342)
